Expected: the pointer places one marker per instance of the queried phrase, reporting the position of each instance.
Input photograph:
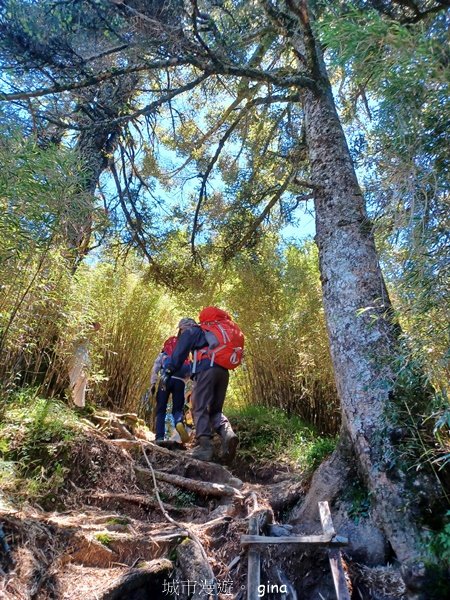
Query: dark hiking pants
(208, 397)
(176, 388)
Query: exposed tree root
(368, 538)
(327, 484)
(184, 465)
(144, 580)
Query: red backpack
(169, 345)
(226, 345)
(168, 348)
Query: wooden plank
(254, 570)
(305, 540)
(334, 555)
(325, 518)
(337, 571)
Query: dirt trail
(114, 538)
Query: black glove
(153, 390)
(165, 378)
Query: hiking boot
(230, 442)
(204, 450)
(184, 435)
(159, 441)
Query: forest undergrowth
(77, 492)
(81, 515)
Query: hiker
(217, 345)
(175, 387)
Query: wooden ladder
(329, 539)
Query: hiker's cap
(186, 322)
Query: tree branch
(106, 53)
(207, 173)
(305, 183)
(423, 15)
(399, 9)
(257, 222)
(150, 108)
(194, 17)
(245, 110)
(135, 231)
(300, 9)
(274, 77)
(91, 81)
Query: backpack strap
(226, 338)
(203, 353)
(194, 362)
(214, 352)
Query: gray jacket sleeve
(157, 365)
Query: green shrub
(358, 498)
(103, 538)
(440, 543)
(268, 434)
(118, 521)
(37, 433)
(185, 498)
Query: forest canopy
(160, 156)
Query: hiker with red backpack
(216, 344)
(174, 387)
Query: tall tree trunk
(97, 141)
(363, 337)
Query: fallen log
(205, 488)
(211, 524)
(184, 465)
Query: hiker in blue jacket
(208, 396)
(174, 387)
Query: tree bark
(196, 569)
(96, 143)
(363, 337)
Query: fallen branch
(129, 444)
(210, 524)
(195, 566)
(236, 560)
(194, 541)
(144, 501)
(184, 463)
